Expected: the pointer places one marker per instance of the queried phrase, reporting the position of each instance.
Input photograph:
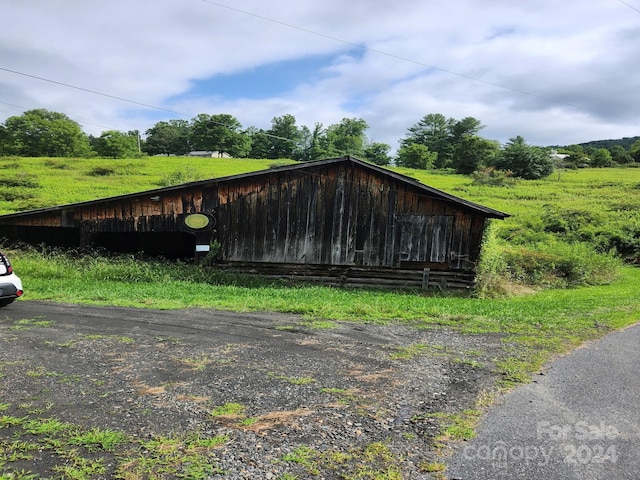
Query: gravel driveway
(274, 384)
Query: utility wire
(90, 91)
(95, 92)
(630, 6)
(22, 107)
(405, 59)
(312, 32)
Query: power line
(405, 59)
(630, 6)
(95, 92)
(22, 107)
(312, 32)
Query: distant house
(340, 221)
(208, 154)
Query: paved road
(580, 420)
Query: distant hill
(625, 143)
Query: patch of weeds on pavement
(518, 366)
(304, 456)
(336, 391)
(198, 364)
(374, 461)
(344, 396)
(233, 415)
(30, 323)
(300, 380)
(248, 422)
(64, 450)
(468, 362)
(228, 409)
(435, 468)
(417, 349)
(454, 426)
(189, 456)
(94, 336)
(34, 409)
(96, 440)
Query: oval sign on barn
(197, 221)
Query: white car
(10, 283)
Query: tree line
(435, 141)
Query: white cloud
(553, 72)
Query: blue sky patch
(264, 81)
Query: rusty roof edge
(489, 212)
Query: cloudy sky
(554, 72)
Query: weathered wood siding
(343, 215)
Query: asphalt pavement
(579, 419)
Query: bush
(560, 265)
(495, 178)
(550, 264)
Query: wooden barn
(340, 221)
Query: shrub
(549, 264)
(491, 176)
(101, 172)
(178, 177)
(560, 265)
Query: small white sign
(203, 248)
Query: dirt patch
(266, 382)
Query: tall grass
(130, 281)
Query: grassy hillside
(564, 230)
(28, 183)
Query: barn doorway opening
(172, 245)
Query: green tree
(310, 144)
(619, 155)
(344, 138)
(41, 133)
(473, 153)
(168, 138)
(220, 133)
(434, 132)
(442, 135)
(634, 151)
(115, 144)
(525, 161)
(347, 137)
(377, 153)
(282, 140)
(601, 157)
(416, 155)
(467, 127)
